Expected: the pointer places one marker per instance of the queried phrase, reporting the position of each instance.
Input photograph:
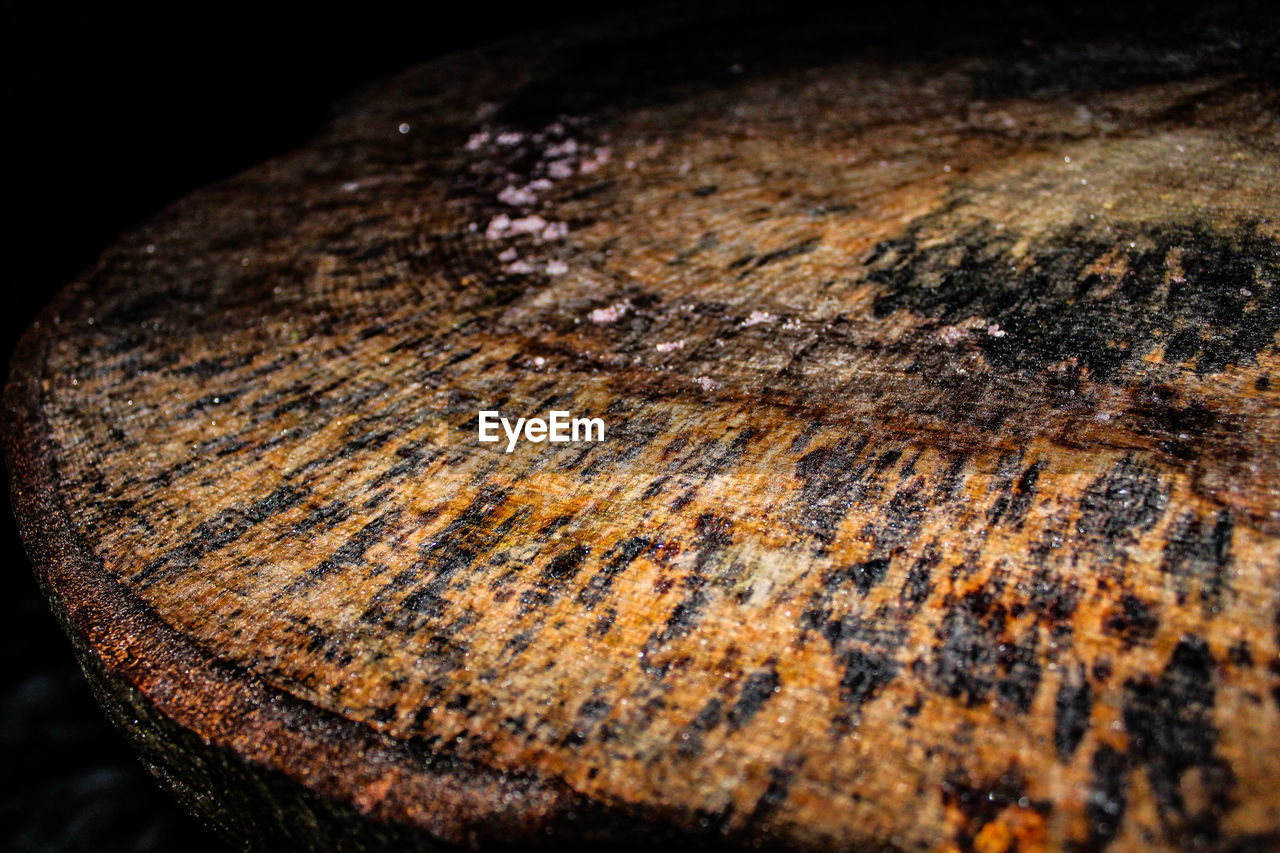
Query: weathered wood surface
(939, 505)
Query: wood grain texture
(940, 500)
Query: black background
(111, 112)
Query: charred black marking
(865, 575)
(1121, 505)
(1171, 730)
(707, 241)
(1156, 411)
(706, 720)
(804, 247)
(1019, 672)
(964, 661)
(566, 564)
(1133, 620)
(1240, 655)
(1197, 557)
(1074, 705)
(1223, 309)
(1024, 493)
(350, 553)
(758, 689)
(864, 674)
(1108, 795)
(590, 713)
(980, 802)
(917, 586)
(1066, 69)
(439, 559)
(832, 484)
(219, 532)
(616, 561)
(775, 793)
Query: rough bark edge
(263, 768)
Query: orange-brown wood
(939, 502)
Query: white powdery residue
(706, 383)
(559, 169)
(601, 316)
(603, 155)
(791, 325)
(477, 141)
(527, 225)
(564, 149)
(498, 226)
(555, 230)
(995, 331)
(519, 267)
(758, 317)
(506, 140)
(518, 196)
(538, 361)
(557, 268)
(541, 185)
(669, 346)
(686, 167)
(509, 255)
(952, 335)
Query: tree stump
(938, 502)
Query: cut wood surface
(939, 501)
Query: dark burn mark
(832, 483)
(758, 689)
(565, 565)
(979, 802)
(616, 560)
(349, 554)
(775, 793)
(1133, 620)
(1121, 505)
(975, 659)
(1108, 795)
(590, 714)
(865, 650)
(706, 720)
(864, 674)
(1171, 730)
(866, 575)
(804, 247)
(1012, 507)
(1197, 557)
(712, 539)
(917, 586)
(1155, 412)
(440, 559)
(219, 532)
(1020, 668)
(1222, 309)
(1073, 708)
(1062, 69)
